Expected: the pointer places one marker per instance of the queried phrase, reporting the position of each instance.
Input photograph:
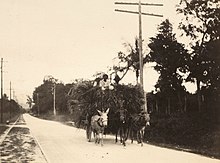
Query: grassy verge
(197, 133)
(19, 146)
(6, 116)
(3, 129)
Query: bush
(195, 131)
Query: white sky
(69, 39)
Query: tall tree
(170, 57)
(202, 24)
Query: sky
(70, 39)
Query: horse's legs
(101, 136)
(88, 133)
(143, 132)
(127, 133)
(142, 136)
(95, 136)
(116, 137)
(132, 135)
(123, 135)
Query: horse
(138, 124)
(98, 125)
(122, 124)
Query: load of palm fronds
(87, 98)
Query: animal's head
(122, 115)
(146, 117)
(104, 117)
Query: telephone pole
(140, 13)
(10, 100)
(38, 107)
(54, 99)
(1, 90)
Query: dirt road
(64, 144)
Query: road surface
(65, 144)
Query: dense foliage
(10, 108)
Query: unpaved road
(64, 144)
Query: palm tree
(29, 101)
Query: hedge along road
(63, 144)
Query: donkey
(98, 124)
(138, 124)
(122, 123)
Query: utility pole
(140, 13)
(1, 90)
(38, 107)
(54, 99)
(10, 100)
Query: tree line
(11, 108)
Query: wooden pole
(54, 99)
(144, 107)
(1, 90)
(10, 101)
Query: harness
(100, 122)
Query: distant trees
(43, 96)
(10, 108)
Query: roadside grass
(20, 146)
(3, 129)
(6, 116)
(198, 133)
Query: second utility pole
(1, 90)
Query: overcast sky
(69, 39)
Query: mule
(98, 125)
(138, 124)
(122, 124)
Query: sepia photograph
(110, 81)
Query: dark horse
(137, 125)
(97, 126)
(122, 126)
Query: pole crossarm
(130, 3)
(134, 12)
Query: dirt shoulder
(20, 146)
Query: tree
(29, 101)
(202, 24)
(42, 96)
(129, 61)
(170, 57)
